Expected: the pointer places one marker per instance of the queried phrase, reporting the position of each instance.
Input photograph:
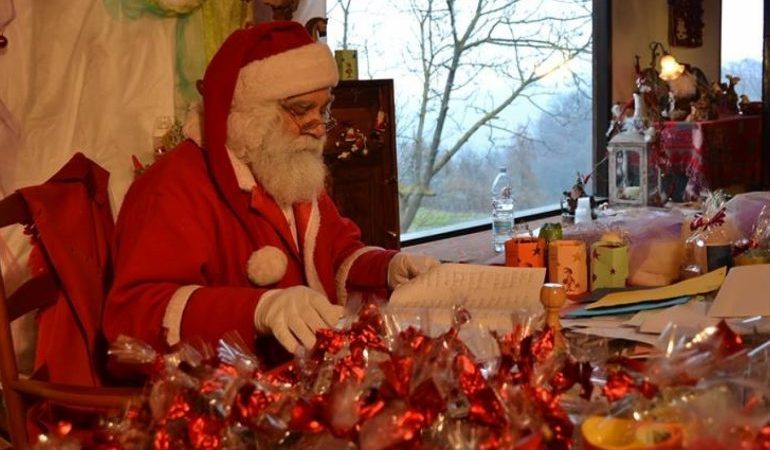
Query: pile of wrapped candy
(368, 386)
(708, 392)
(372, 386)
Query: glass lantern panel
(656, 195)
(628, 181)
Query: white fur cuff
(267, 266)
(342, 273)
(172, 318)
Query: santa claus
(236, 232)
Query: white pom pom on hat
(266, 266)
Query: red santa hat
(269, 61)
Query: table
(722, 153)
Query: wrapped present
(525, 252)
(708, 247)
(654, 237)
(567, 265)
(609, 264)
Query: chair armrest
(80, 396)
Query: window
(504, 84)
(742, 46)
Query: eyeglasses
(299, 114)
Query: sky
(741, 30)
(376, 30)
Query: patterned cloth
(715, 154)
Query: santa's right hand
(294, 314)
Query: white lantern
(634, 177)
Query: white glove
(294, 314)
(403, 267)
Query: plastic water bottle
(502, 210)
(583, 210)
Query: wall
(90, 76)
(636, 23)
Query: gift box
(347, 64)
(525, 252)
(567, 265)
(609, 265)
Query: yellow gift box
(567, 265)
(347, 64)
(609, 265)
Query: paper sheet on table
(626, 333)
(691, 315)
(698, 285)
(593, 323)
(638, 319)
(625, 309)
(744, 293)
(473, 286)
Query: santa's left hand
(404, 266)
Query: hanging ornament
(3, 41)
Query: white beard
(684, 87)
(289, 167)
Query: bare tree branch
(462, 44)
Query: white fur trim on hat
(266, 266)
(293, 72)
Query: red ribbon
(704, 222)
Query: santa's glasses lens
(327, 121)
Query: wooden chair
(22, 393)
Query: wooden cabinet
(361, 156)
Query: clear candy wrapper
(760, 233)
(756, 248)
(742, 213)
(374, 383)
(377, 383)
(706, 391)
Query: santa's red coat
(181, 252)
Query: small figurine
(381, 122)
(700, 110)
(316, 27)
(673, 113)
(731, 97)
(577, 191)
(744, 102)
(617, 121)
